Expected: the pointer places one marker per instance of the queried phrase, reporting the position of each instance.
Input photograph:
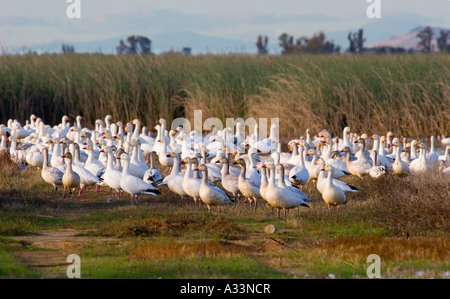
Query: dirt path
(56, 245)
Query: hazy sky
(30, 22)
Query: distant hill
(408, 41)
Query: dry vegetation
(407, 94)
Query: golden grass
(187, 250)
(406, 94)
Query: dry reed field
(401, 217)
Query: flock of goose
(218, 169)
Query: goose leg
(64, 192)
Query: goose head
(346, 150)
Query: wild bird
(210, 194)
(282, 199)
(153, 176)
(51, 175)
(132, 184)
(332, 194)
(248, 187)
(70, 178)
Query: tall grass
(407, 94)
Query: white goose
(174, 180)
(432, 155)
(210, 194)
(299, 174)
(322, 180)
(134, 185)
(248, 188)
(70, 178)
(421, 165)
(191, 185)
(153, 175)
(332, 194)
(377, 170)
(399, 167)
(51, 175)
(86, 177)
(282, 199)
(230, 182)
(111, 176)
(357, 167)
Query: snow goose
(165, 159)
(357, 167)
(174, 180)
(191, 185)
(282, 184)
(421, 165)
(446, 156)
(210, 194)
(345, 140)
(299, 174)
(432, 155)
(399, 167)
(280, 198)
(153, 176)
(248, 188)
(87, 178)
(377, 170)
(51, 175)
(34, 158)
(18, 156)
(134, 185)
(332, 194)
(230, 182)
(111, 176)
(264, 180)
(363, 154)
(93, 165)
(322, 180)
(70, 179)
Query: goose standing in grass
(282, 199)
(17, 155)
(299, 174)
(34, 158)
(111, 176)
(332, 194)
(153, 176)
(86, 177)
(432, 155)
(51, 175)
(421, 165)
(377, 170)
(282, 184)
(174, 180)
(357, 167)
(322, 180)
(230, 182)
(190, 184)
(210, 194)
(165, 158)
(248, 188)
(399, 167)
(70, 179)
(93, 165)
(134, 185)
(264, 180)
